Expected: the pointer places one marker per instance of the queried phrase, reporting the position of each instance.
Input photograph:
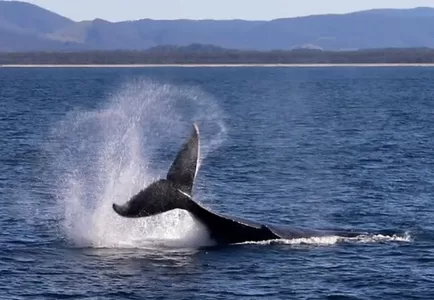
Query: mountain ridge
(27, 27)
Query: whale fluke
(184, 168)
(163, 195)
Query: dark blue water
(348, 148)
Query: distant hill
(26, 27)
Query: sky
(121, 10)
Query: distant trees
(208, 54)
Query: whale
(175, 192)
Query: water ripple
(346, 148)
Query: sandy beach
(211, 65)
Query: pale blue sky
(118, 10)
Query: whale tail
(174, 192)
(184, 168)
(170, 193)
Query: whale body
(175, 192)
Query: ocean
(335, 147)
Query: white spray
(108, 154)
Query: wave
(332, 240)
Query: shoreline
(214, 65)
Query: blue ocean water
(348, 148)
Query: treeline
(207, 55)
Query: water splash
(106, 155)
(332, 240)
